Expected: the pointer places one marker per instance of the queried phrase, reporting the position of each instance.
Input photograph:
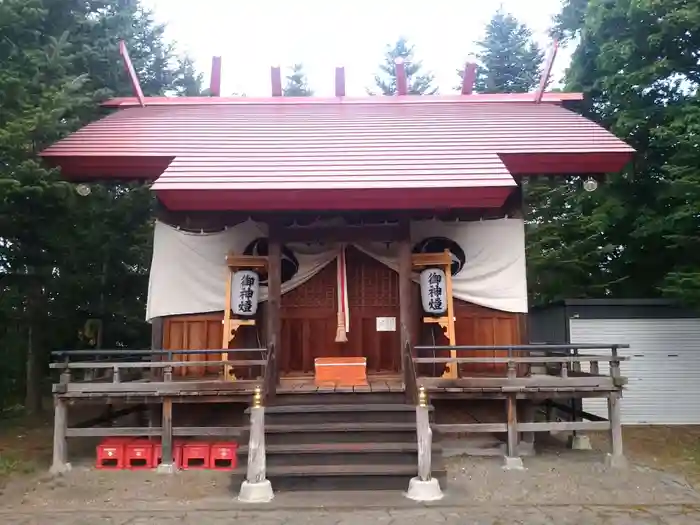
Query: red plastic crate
(195, 455)
(138, 455)
(223, 455)
(177, 454)
(110, 453)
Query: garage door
(663, 372)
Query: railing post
(256, 488)
(60, 463)
(512, 460)
(617, 458)
(424, 487)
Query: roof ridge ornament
(135, 84)
(546, 72)
(468, 78)
(401, 80)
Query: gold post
(422, 397)
(257, 398)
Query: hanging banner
(188, 270)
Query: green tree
(419, 82)
(297, 85)
(641, 79)
(66, 259)
(509, 60)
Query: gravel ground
(551, 478)
(559, 487)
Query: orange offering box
(340, 371)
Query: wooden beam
(276, 79)
(366, 233)
(135, 84)
(469, 428)
(160, 388)
(155, 431)
(339, 81)
(520, 382)
(546, 72)
(563, 426)
(401, 80)
(468, 78)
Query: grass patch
(13, 463)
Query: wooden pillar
(405, 289)
(617, 458)
(528, 416)
(167, 464)
(60, 463)
(512, 425)
(274, 293)
(512, 459)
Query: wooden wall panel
(193, 332)
(309, 319)
(477, 325)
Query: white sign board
(386, 324)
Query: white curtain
(188, 270)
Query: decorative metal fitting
(257, 398)
(422, 397)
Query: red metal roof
(440, 151)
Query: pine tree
(509, 59)
(644, 221)
(63, 258)
(419, 82)
(297, 84)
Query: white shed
(664, 366)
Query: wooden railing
(565, 358)
(127, 368)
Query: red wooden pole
(135, 84)
(276, 78)
(468, 78)
(215, 82)
(546, 72)
(401, 81)
(339, 81)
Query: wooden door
(373, 291)
(309, 317)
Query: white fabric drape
(188, 270)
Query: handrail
(530, 360)
(410, 375)
(152, 364)
(269, 389)
(520, 348)
(125, 352)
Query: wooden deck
(375, 384)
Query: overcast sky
(252, 35)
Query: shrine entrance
(309, 318)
